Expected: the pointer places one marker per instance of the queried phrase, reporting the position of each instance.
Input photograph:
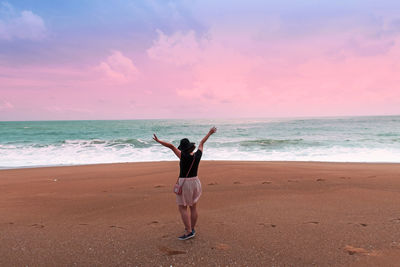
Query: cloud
(118, 67)
(58, 109)
(20, 25)
(179, 48)
(280, 78)
(219, 72)
(5, 105)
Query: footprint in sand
(320, 180)
(313, 222)
(159, 186)
(353, 250)
(83, 224)
(266, 182)
(213, 183)
(221, 246)
(153, 223)
(104, 191)
(10, 223)
(237, 182)
(170, 252)
(119, 227)
(359, 224)
(37, 225)
(272, 225)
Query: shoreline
(251, 213)
(237, 161)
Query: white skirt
(191, 191)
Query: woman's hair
(190, 150)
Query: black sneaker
(188, 236)
(193, 231)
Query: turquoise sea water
(345, 139)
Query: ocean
(341, 139)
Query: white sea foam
(72, 154)
(77, 153)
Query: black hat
(185, 145)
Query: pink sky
(229, 67)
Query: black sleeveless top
(186, 161)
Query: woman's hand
(155, 138)
(212, 130)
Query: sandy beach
(250, 213)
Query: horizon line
(217, 118)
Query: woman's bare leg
(193, 215)
(185, 217)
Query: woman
(191, 186)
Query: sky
(121, 59)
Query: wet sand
(250, 213)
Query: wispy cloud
(20, 24)
(118, 67)
(179, 48)
(67, 109)
(5, 105)
(219, 72)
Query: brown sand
(251, 213)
